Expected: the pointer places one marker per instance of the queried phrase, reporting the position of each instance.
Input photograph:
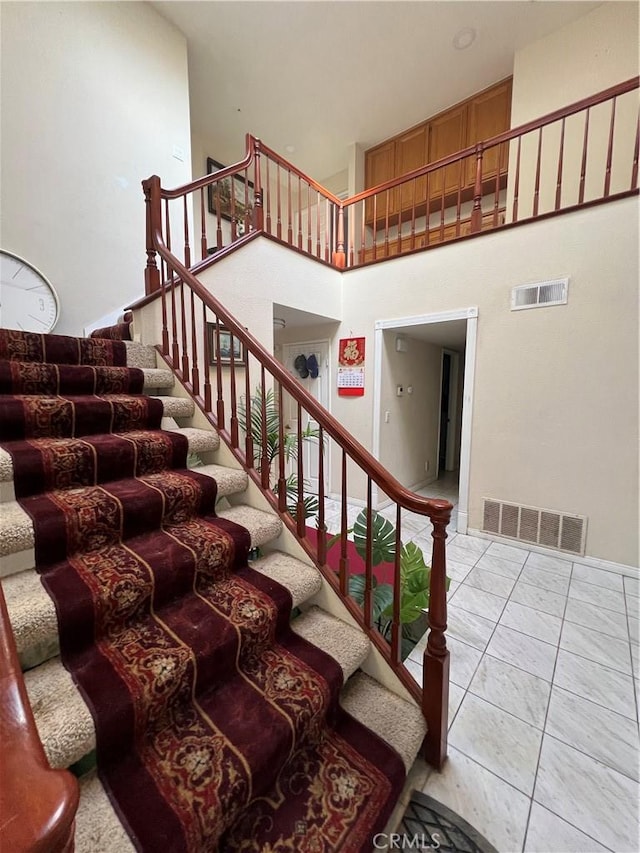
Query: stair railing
(230, 375)
(583, 154)
(38, 805)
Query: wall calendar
(351, 367)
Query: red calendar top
(351, 352)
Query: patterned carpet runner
(217, 727)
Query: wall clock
(28, 300)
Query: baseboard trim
(596, 562)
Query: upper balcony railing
(582, 154)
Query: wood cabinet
(481, 117)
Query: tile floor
(543, 718)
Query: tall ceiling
(317, 76)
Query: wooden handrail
(37, 804)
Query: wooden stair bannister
(38, 805)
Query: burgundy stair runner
(217, 727)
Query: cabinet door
(447, 135)
(489, 114)
(411, 153)
(379, 167)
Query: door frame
(471, 316)
(452, 411)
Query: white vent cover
(536, 526)
(540, 295)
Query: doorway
(318, 387)
(448, 439)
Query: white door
(318, 388)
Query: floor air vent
(535, 526)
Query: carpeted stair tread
(157, 377)
(177, 407)
(302, 581)
(398, 722)
(200, 440)
(98, 829)
(347, 645)
(263, 526)
(64, 721)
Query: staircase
(327, 652)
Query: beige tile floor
(543, 719)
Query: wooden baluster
(265, 462)
(282, 440)
(175, 353)
(187, 248)
(318, 247)
(442, 205)
(636, 152)
(413, 215)
(536, 189)
(300, 519)
(327, 220)
(344, 560)
(363, 231)
(476, 215)
(248, 438)
(232, 208)
(339, 257)
(289, 210)
(268, 196)
(233, 395)
(165, 329)
(496, 200)
(299, 215)
(206, 359)
(352, 237)
(386, 223)
(428, 212)
(559, 177)
(219, 395)
(258, 194)
(516, 185)
(322, 527)
(203, 227)
(219, 238)
(195, 373)
(375, 226)
(278, 204)
(396, 625)
(185, 355)
(583, 166)
(167, 223)
(246, 225)
(309, 240)
(461, 169)
(607, 177)
(153, 206)
(435, 694)
(368, 563)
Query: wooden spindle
(183, 324)
(309, 240)
(476, 214)
(461, 169)
(248, 438)
(258, 195)
(175, 352)
(636, 152)
(233, 402)
(339, 258)
(327, 250)
(344, 560)
(413, 216)
(607, 176)
(232, 209)
(289, 210)
(245, 218)
(278, 205)
(536, 188)
(219, 394)
(268, 182)
(559, 176)
(219, 238)
(435, 695)
(153, 207)
(195, 373)
(165, 329)
(368, 562)
(322, 527)
(386, 223)
(396, 625)
(167, 219)
(265, 462)
(207, 360)
(299, 214)
(282, 439)
(352, 239)
(187, 248)
(516, 185)
(496, 200)
(318, 247)
(375, 226)
(583, 165)
(363, 230)
(427, 212)
(203, 227)
(442, 206)
(300, 519)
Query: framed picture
(243, 196)
(227, 340)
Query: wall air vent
(540, 295)
(559, 530)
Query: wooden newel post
(476, 214)
(151, 189)
(435, 693)
(258, 210)
(339, 257)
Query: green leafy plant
(415, 577)
(272, 443)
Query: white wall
(94, 98)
